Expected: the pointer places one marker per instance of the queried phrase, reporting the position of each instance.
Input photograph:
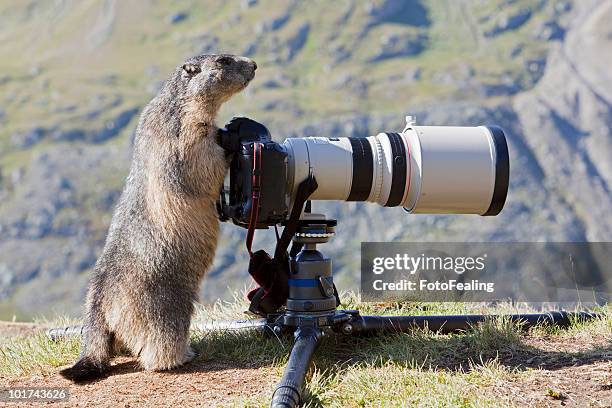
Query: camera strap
(255, 196)
(272, 274)
(304, 191)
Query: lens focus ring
(378, 185)
(363, 169)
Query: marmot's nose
(254, 65)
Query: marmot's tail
(98, 343)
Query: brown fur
(163, 235)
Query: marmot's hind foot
(86, 369)
(162, 360)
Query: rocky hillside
(74, 76)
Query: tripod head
(311, 285)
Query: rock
(549, 31)
(395, 45)
(27, 138)
(68, 135)
(110, 79)
(297, 42)
(570, 122)
(177, 17)
(273, 24)
(444, 78)
(205, 44)
(517, 50)
(44, 84)
(108, 200)
(339, 54)
(17, 175)
(279, 22)
(408, 12)
(278, 81)
(50, 189)
(505, 22)
(347, 81)
(35, 70)
(245, 4)
(110, 129)
(66, 109)
(113, 127)
(231, 21)
(250, 49)
(535, 69)
(99, 104)
(37, 224)
(413, 74)
(562, 7)
(283, 106)
(500, 89)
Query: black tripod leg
(262, 325)
(288, 392)
(451, 324)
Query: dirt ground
(579, 386)
(17, 329)
(200, 384)
(558, 382)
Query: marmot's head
(196, 90)
(215, 78)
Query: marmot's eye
(191, 69)
(224, 60)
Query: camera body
(238, 139)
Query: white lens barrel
(426, 169)
(459, 170)
(329, 159)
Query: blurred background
(74, 76)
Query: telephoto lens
(425, 169)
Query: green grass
(37, 354)
(418, 368)
(390, 384)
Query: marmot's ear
(191, 69)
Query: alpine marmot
(164, 231)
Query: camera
(425, 169)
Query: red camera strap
(255, 195)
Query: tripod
(311, 313)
